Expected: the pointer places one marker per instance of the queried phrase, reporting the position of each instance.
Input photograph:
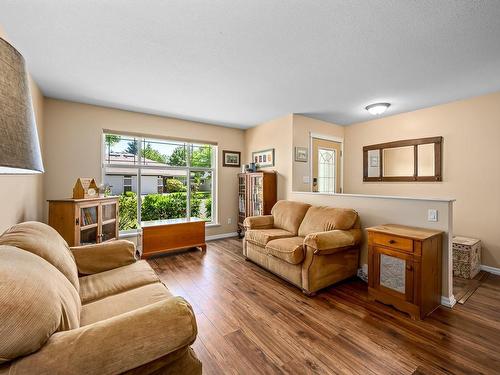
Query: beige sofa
(87, 310)
(311, 247)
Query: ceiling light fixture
(377, 108)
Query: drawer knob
(392, 241)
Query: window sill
(128, 234)
(213, 225)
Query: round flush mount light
(377, 108)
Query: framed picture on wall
(374, 161)
(264, 158)
(301, 154)
(231, 158)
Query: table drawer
(395, 242)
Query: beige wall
(73, 134)
(471, 163)
(373, 210)
(21, 197)
(275, 134)
(302, 128)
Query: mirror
(398, 161)
(426, 165)
(407, 160)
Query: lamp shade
(19, 146)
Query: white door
(326, 170)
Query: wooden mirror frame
(437, 141)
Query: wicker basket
(466, 257)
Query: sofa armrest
(330, 242)
(105, 256)
(117, 344)
(259, 222)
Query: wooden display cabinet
(257, 194)
(85, 221)
(404, 268)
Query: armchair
(87, 310)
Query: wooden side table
(404, 268)
(164, 236)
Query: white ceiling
(239, 63)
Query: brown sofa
(87, 310)
(311, 247)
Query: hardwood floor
(251, 322)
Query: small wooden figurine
(85, 188)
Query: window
(127, 184)
(159, 179)
(160, 185)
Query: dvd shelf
(257, 194)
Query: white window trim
(139, 167)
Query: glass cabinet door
(393, 273)
(108, 212)
(89, 231)
(242, 198)
(108, 221)
(256, 199)
(88, 216)
(108, 231)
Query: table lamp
(19, 146)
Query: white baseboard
(493, 270)
(448, 301)
(221, 236)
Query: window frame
(136, 169)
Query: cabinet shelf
(85, 227)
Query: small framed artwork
(374, 161)
(264, 158)
(301, 154)
(231, 158)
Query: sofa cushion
(36, 300)
(288, 215)
(117, 280)
(291, 250)
(322, 219)
(263, 236)
(120, 303)
(44, 241)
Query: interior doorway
(326, 164)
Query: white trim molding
(221, 236)
(493, 270)
(448, 301)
